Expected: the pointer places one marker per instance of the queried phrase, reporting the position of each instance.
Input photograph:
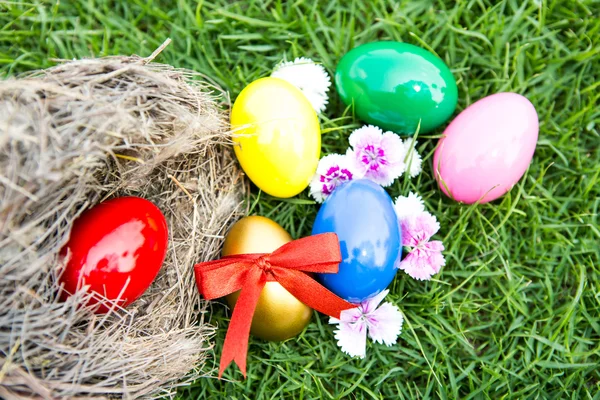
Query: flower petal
(377, 155)
(371, 304)
(410, 234)
(332, 171)
(308, 76)
(417, 229)
(350, 316)
(407, 206)
(384, 176)
(422, 264)
(394, 148)
(435, 257)
(352, 338)
(385, 324)
(412, 158)
(365, 136)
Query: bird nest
(70, 137)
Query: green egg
(395, 85)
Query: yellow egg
(278, 315)
(277, 135)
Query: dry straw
(71, 136)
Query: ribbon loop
(249, 272)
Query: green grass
(515, 313)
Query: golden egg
(278, 315)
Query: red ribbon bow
(249, 272)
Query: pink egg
(487, 148)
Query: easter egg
(116, 249)
(395, 85)
(361, 213)
(487, 148)
(277, 136)
(278, 314)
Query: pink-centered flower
(332, 171)
(383, 325)
(377, 155)
(425, 257)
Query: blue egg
(361, 213)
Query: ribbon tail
(311, 293)
(236, 339)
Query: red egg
(117, 248)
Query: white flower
(413, 158)
(332, 171)
(383, 325)
(308, 76)
(407, 206)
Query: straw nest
(70, 137)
